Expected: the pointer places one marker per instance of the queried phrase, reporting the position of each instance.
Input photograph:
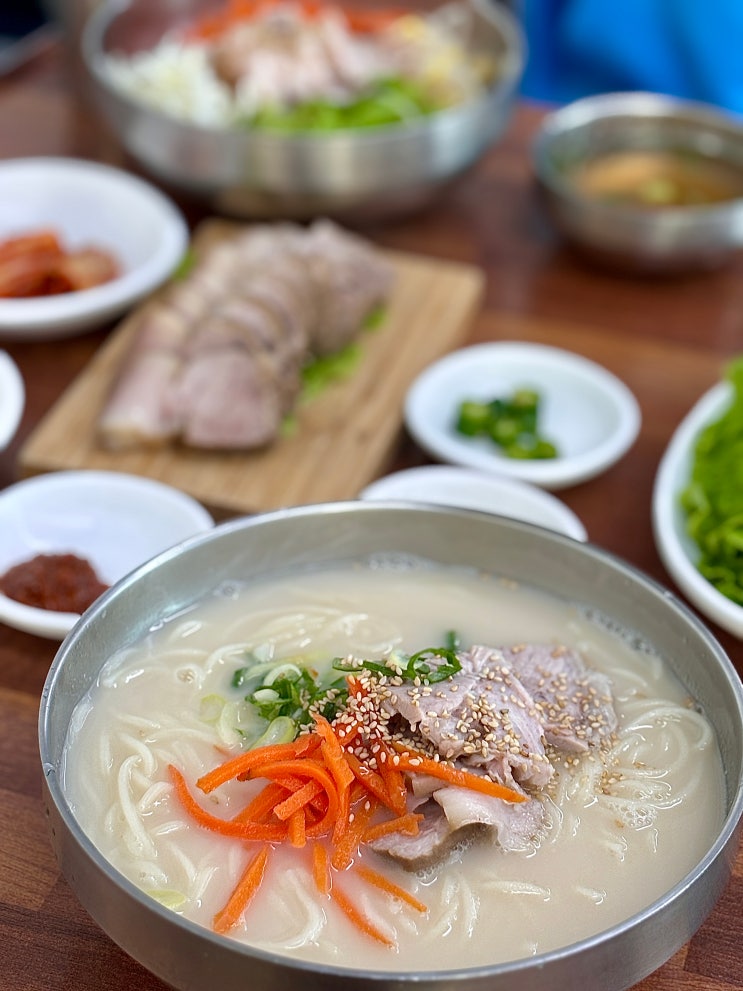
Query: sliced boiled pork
(217, 361)
(505, 714)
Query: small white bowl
(590, 415)
(114, 520)
(677, 550)
(87, 203)
(12, 399)
(468, 489)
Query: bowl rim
(511, 66)
(12, 399)
(731, 825)
(449, 483)
(587, 110)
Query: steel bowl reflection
(190, 957)
(662, 234)
(374, 170)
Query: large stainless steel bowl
(379, 170)
(192, 958)
(664, 240)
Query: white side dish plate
(590, 415)
(12, 399)
(87, 204)
(677, 550)
(114, 520)
(469, 489)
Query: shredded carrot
(243, 763)
(394, 782)
(335, 759)
(410, 761)
(311, 769)
(241, 897)
(334, 754)
(321, 868)
(357, 917)
(348, 844)
(227, 827)
(384, 883)
(407, 823)
(356, 688)
(293, 783)
(348, 733)
(260, 808)
(297, 828)
(366, 21)
(371, 781)
(296, 801)
(211, 26)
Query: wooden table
(666, 340)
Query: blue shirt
(686, 48)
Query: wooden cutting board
(342, 436)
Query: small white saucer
(87, 204)
(468, 489)
(114, 520)
(590, 415)
(12, 399)
(677, 550)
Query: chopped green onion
(280, 730)
(252, 673)
(452, 640)
(285, 689)
(320, 372)
(173, 900)
(419, 667)
(287, 692)
(409, 667)
(378, 667)
(210, 708)
(236, 721)
(375, 318)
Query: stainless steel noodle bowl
(381, 574)
(263, 173)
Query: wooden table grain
(668, 340)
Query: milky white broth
(604, 856)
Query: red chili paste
(60, 582)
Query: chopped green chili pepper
(511, 423)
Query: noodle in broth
(609, 844)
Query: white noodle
(519, 888)
(297, 910)
(137, 837)
(596, 895)
(617, 800)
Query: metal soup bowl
(367, 171)
(192, 958)
(661, 240)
